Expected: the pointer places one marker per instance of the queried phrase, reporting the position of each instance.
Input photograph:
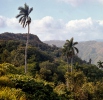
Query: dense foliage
(47, 73)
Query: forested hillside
(14, 45)
(48, 73)
(12, 48)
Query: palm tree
(25, 20)
(100, 64)
(69, 50)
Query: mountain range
(87, 49)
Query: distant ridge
(87, 49)
(58, 43)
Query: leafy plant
(7, 68)
(7, 93)
(5, 81)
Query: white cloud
(10, 24)
(13, 22)
(79, 2)
(48, 28)
(73, 2)
(2, 21)
(101, 1)
(47, 24)
(85, 29)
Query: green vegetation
(50, 75)
(47, 74)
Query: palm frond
(24, 10)
(67, 41)
(76, 49)
(30, 10)
(20, 14)
(71, 40)
(20, 19)
(23, 21)
(75, 43)
(21, 9)
(26, 7)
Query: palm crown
(24, 15)
(69, 48)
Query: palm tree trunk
(26, 68)
(25, 59)
(71, 64)
(67, 64)
(67, 80)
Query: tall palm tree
(25, 20)
(69, 50)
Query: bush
(11, 94)
(5, 81)
(7, 68)
(34, 90)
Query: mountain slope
(58, 43)
(87, 49)
(91, 49)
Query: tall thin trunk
(71, 64)
(67, 80)
(67, 64)
(26, 68)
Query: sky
(56, 19)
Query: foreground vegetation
(47, 74)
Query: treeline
(47, 73)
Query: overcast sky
(56, 19)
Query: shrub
(7, 93)
(34, 90)
(5, 81)
(7, 68)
